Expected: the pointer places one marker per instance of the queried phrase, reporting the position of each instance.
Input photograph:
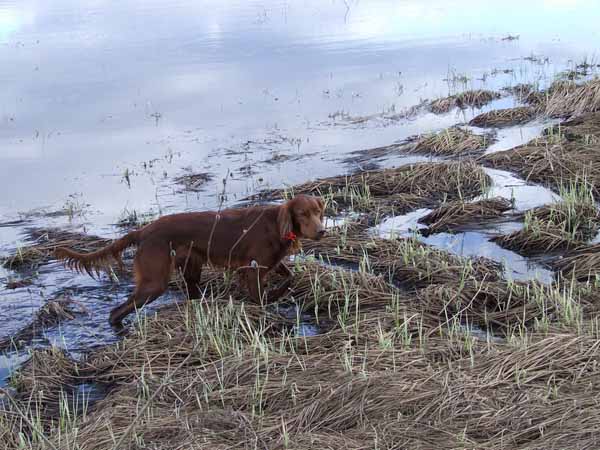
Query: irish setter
(252, 240)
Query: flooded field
(453, 302)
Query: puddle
(305, 324)
(511, 137)
(477, 244)
(338, 221)
(84, 395)
(401, 225)
(469, 244)
(523, 195)
(480, 333)
(8, 364)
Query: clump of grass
(451, 142)
(504, 117)
(472, 99)
(134, 219)
(584, 129)
(397, 190)
(405, 262)
(454, 215)
(522, 91)
(551, 164)
(568, 98)
(557, 227)
(581, 264)
(193, 182)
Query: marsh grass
(380, 193)
(559, 226)
(584, 129)
(569, 98)
(467, 99)
(508, 117)
(209, 374)
(453, 141)
(455, 215)
(549, 163)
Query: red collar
(290, 237)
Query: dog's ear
(284, 220)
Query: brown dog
(253, 240)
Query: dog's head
(302, 216)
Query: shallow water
(104, 105)
(476, 244)
(523, 195)
(8, 363)
(471, 243)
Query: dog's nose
(322, 232)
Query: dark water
(104, 103)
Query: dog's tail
(92, 263)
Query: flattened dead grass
(394, 191)
(508, 117)
(558, 227)
(584, 129)
(392, 380)
(453, 141)
(552, 165)
(405, 262)
(454, 215)
(473, 99)
(581, 264)
(569, 98)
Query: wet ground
(103, 107)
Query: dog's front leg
(284, 271)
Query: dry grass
(454, 215)
(524, 93)
(558, 226)
(453, 141)
(568, 98)
(584, 129)
(394, 191)
(404, 262)
(473, 99)
(582, 264)
(553, 228)
(209, 375)
(193, 182)
(508, 117)
(552, 165)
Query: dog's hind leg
(152, 267)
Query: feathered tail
(92, 263)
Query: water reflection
(93, 91)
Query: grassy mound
(472, 99)
(559, 226)
(451, 142)
(394, 191)
(499, 118)
(454, 215)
